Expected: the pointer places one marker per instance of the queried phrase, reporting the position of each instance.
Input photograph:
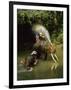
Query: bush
(60, 38)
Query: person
(31, 60)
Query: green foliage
(52, 20)
(60, 38)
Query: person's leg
(30, 66)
